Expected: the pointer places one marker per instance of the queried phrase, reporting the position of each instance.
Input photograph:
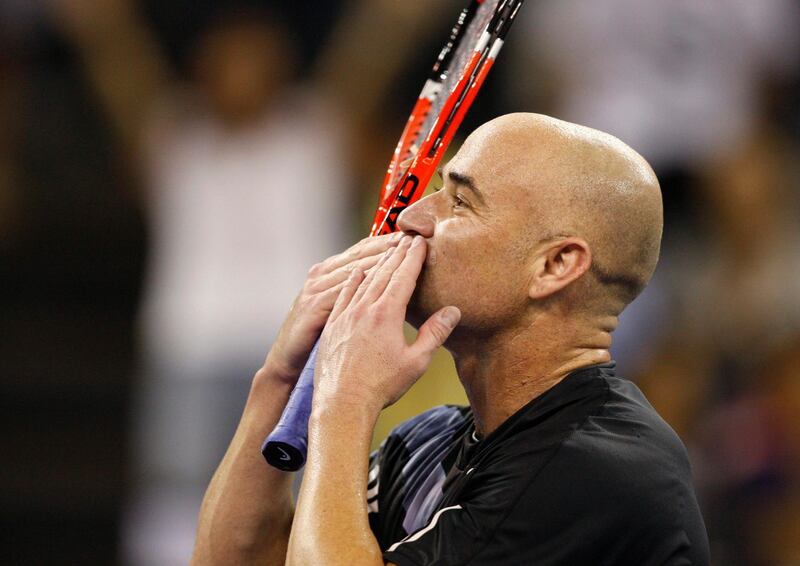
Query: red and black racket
(457, 75)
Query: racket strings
(450, 66)
(461, 67)
(460, 55)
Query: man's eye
(458, 202)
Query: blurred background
(170, 169)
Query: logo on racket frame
(406, 196)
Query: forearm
(123, 62)
(364, 364)
(331, 524)
(356, 46)
(247, 511)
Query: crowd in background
(170, 170)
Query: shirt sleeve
(373, 483)
(381, 478)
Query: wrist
(276, 369)
(336, 412)
(273, 378)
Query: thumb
(436, 330)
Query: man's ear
(560, 262)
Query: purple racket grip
(287, 445)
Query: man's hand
(363, 365)
(248, 509)
(313, 305)
(364, 358)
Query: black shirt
(586, 473)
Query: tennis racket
(456, 77)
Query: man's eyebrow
(468, 182)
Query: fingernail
(407, 240)
(417, 240)
(395, 237)
(451, 316)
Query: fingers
(371, 275)
(384, 272)
(366, 247)
(325, 300)
(401, 285)
(327, 288)
(434, 332)
(342, 273)
(394, 271)
(346, 294)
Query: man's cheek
(418, 311)
(431, 258)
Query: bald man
(543, 232)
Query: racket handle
(287, 445)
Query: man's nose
(417, 219)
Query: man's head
(537, 214)
(242, 62)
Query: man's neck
(503, 372)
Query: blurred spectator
(246, 188)
(747, 460)
(751, 263)
(774, 520)
(680, 81)
(737, 304)
(734, 294)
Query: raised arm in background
(122, 60)
(124, 63)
